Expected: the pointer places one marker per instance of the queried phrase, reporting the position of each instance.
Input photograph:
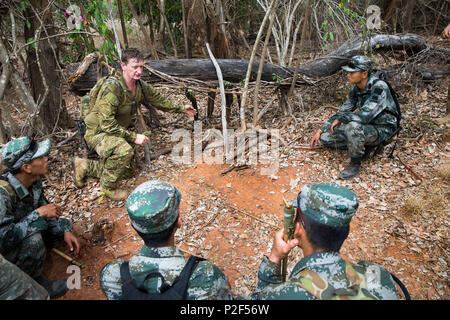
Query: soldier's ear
(26, 167)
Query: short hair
(323, 237)
(157, 239)
(131, 53)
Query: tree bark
(53, 110)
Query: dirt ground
(230, 219)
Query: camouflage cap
(22, 150)
(153, 206)
(329, 204)
(359, 63)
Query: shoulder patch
(5, 185)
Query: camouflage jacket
(19, 217)
(374, 105)
(207, 281)
(116, 107)
(329, 266)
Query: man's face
(133, 69)
(38, 166)
(356, 77)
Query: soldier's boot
(115, 194)
(55, 288)
(79, 171)
(352, 169)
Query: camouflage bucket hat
(359, 63)
(23, 150)
(329, 204)
(153, 206)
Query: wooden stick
(68, 258)
(410, 170)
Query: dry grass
(443, 171)
(434, 202)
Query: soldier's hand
(141, 139)
(49, 211)
(72, 242)
(190, 110)
(315, 138)
(446, 32)
(281, 248)
(335, 123)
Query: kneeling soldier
(160, 270)
(28, 223)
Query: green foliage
(277, 78)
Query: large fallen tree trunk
(235, 70)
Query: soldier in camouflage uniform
(153, 208)
(28, 223)
(17, 285)
(373, 123)
(108, 122)
(321, 226)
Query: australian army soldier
(321, 226)
(28, 223)
(373, 122)
(160, 270)
(107, 125)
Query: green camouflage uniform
(107, 128)
(325, 275)
(24, 234)
(153, 208)
(17, 285)
(373, 123)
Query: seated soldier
(107, 125)
(17, 285)
(321, 226)
(153, 208)
(375, 121)
(28, 223)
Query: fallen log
(234, 70)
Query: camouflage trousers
(352, 136)
(30, 255)
(117, 159)
(17, 285)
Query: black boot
(55, 288)
(352, 169)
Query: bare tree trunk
(162, 9)
(53, 111)
(185, 31)
(122, 23)
(261, 63)
(302, 43)
(144, 31)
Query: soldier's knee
(352, 126)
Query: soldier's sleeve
(208, 282)
(107, 105)
(347, 107)
(57, 227)
(110, 280)
(271, 286)
(373, 106)
(268, 273)
(12, 233)
(159, 101)
(16, 284)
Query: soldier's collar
(18, 187)
(161, 252)
(316, 259)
